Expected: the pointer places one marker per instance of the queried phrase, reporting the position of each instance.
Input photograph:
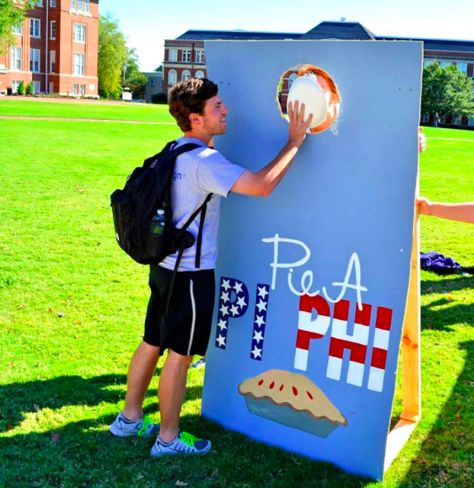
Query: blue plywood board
(344, 208)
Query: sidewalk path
(66, 119)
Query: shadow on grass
(450, 315)
(447, 284)
(19, 399)
(446, 456)
(83, 453)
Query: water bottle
(158, 223)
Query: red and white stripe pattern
(379, 351)
(356, 342)
(309, 328)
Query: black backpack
(147, 190)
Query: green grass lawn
(72, 306)
(85, 109)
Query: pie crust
(291, 399)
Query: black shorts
(186, 327)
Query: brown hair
(189, 97)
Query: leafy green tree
(446, 92)
(29, 89)
(21, 90)
(12, 14)
(133, 78)
(113, 54)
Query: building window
(36, 87)
(35, 28)
(79, 33)
(200, 56)
(80, 5)
(35, 60)
(52, 61)
(78, 61)
(186, 55)
(15, 84)
(172, 54)
(199, 74)
(185, 75)
(79, 89)
(38, 3)
(52, 30)
(17, 30)
(172, 77)
(462, 67)
(52, 3)
(15, 60)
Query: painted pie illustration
(291, 399)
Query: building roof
(328, 30)
(209, 35)
(339, 30)
(436, 44)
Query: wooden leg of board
(410, 349)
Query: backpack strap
(202, 211)
(197, 261)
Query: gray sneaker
(184, 443)
(143, 427)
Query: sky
(147, 23)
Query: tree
(133, 78)
(113, 54)
(446, 92)
(12, 14)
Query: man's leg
(141, 370)
(171, 393)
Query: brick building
(56, 49)
(185, 56)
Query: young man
(184, 329)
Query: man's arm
(462, 212)
(263, 182)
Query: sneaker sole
(120, 433)
(174, 453)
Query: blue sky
(146, 23)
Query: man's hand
(298, 125)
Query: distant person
(184, 328)
(461, 212)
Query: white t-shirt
(198, 173)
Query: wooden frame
(410, 349)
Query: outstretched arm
(462, 212)
(264, 181)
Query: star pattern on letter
(226, 285)
(224, 310)
(238, 287)
(234, 310)
(261, 305)
(225, 297)
(256, 352)
(220, 340)
(262, 292)
(222, 324)
(241, 302)
(257, 336)
(259, 320)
